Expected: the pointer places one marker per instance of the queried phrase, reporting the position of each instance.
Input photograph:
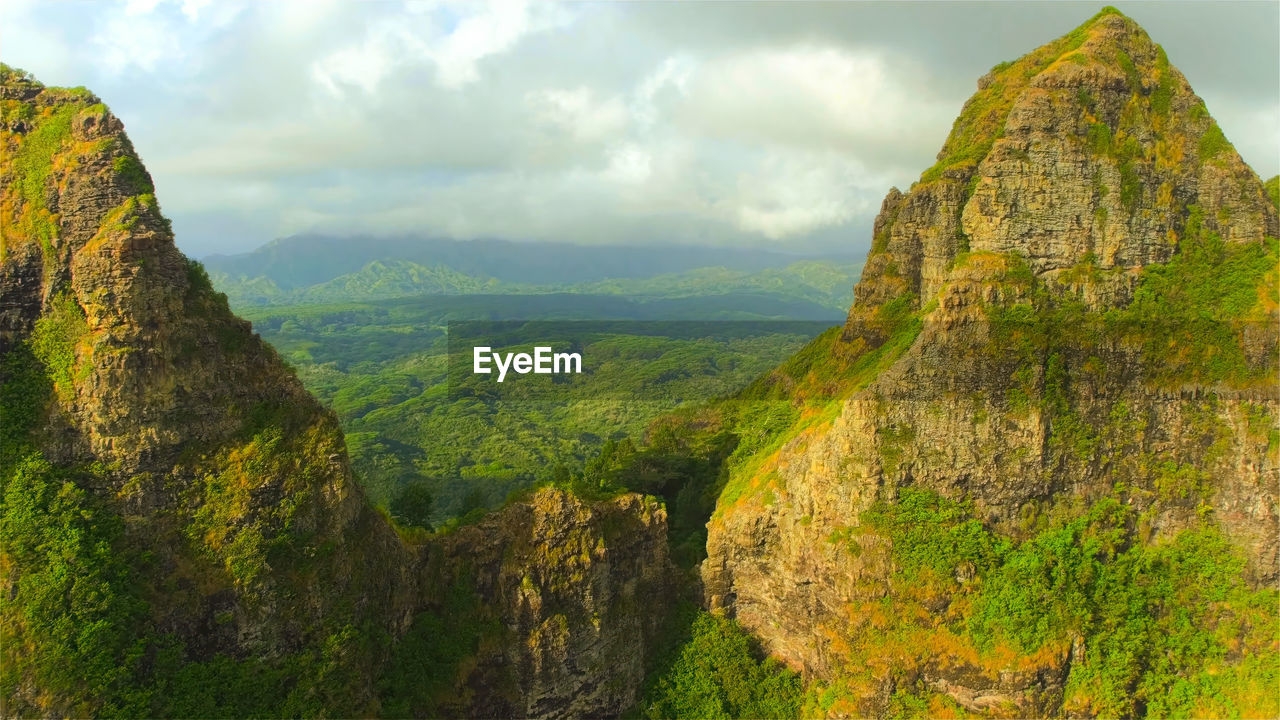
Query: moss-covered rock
(181, 534)
(1090, 270)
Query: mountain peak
(210, 533)
(122, 367)
(1090, 149)
(1109, 49)
(1074, 305)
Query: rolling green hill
(827, 283)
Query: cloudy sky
(770, 124)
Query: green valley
(381, 366)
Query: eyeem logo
(611, 360)
(541, 362)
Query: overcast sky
(780, 125)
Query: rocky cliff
(560, 602)
(181, 531)
(129, 379)
(1066, 330)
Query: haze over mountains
(344, 269)
(310, 259)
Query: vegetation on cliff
(1046, 453)
(429, 669)
(716, 671)
(1163, 629)
(68, 623)
(78, 622)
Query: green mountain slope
(826, 283)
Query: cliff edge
(1056, 385)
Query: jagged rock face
(1060, 183)
(578, 591)
(235, 482)
(1091, 147)
(159, 363)
(202, 438)
(1068, 173)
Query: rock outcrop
(574, 594)
(204, 442)
(1057, 312)
(148, 428)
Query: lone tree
(412, 508)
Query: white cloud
(137, 41)
(812, 97)
(578, 113)
(629, 164)
(673, 74)
(140, 7)
(452, 38)
(363, 66)
(193, 8)
(149, 36)
(788, 195)
(709, 123)
(486, 30)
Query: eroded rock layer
(1075, 309)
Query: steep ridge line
(1065, 331)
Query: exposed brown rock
(580, 591)
(1020, 180)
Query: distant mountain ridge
(825, 283)
(303, 260)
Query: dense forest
(383, 367)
